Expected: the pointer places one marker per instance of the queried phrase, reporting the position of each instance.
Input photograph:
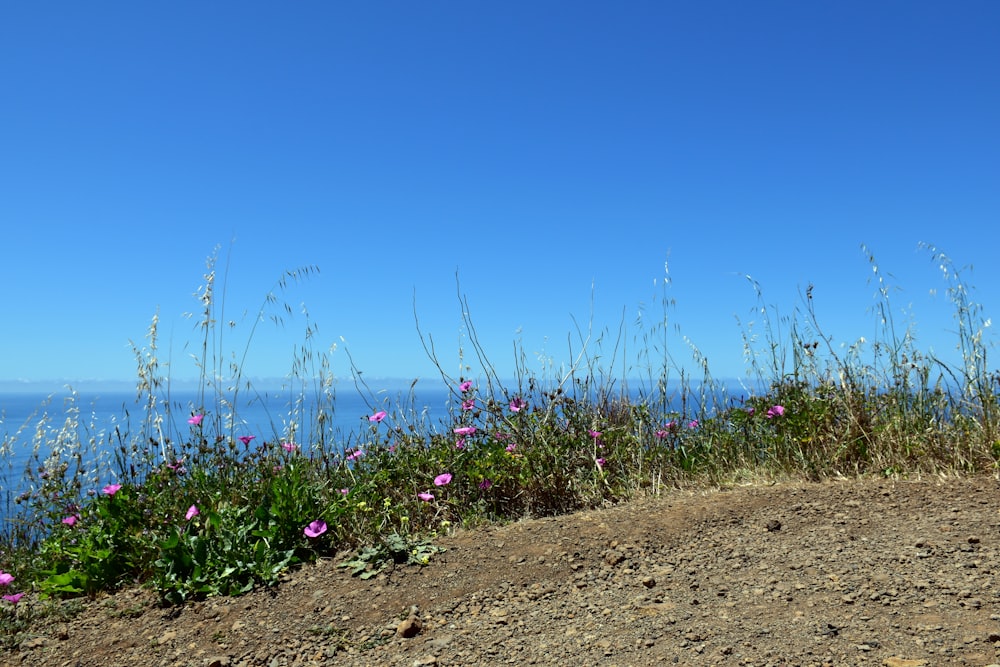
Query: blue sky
(553, 155)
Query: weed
(177, 498)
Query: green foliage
(202, 512)
(230, 552)
(392, 549)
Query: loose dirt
(869, 572)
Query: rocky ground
(898, 573)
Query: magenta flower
(71, 520)
(315, 529)
(485, 484)
(469, 404)
(111, 489)
(442, 479)
(426, 497)
(377, 417)
(354, 456)
(775, 411)
(600, 462)
(5, 578)
(465, 430)
(670, 425)
(751, 411)
(344, 492)
(192, 512)
(511, 447)
(13, 599)
(693, 423)
(594, 434)
(460, 443)
(465, 386)
(245, 439)
(662, 434)
(195, 420)
(289, 446)
(517, 404)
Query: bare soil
(859, 572)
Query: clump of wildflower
(775, 411)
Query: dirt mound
(841, 573)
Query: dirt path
(898, 573)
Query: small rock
(648, 582)
(219, 661)
(440, 642)
(773, 526)
(409, 628)
(903, 662)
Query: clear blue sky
(548, 152)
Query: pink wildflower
(195, 420)
(315, 529)
(465, 386)
(377, 417)
(426, 497)
(442, 479)
(111, 489)
(464, 430)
